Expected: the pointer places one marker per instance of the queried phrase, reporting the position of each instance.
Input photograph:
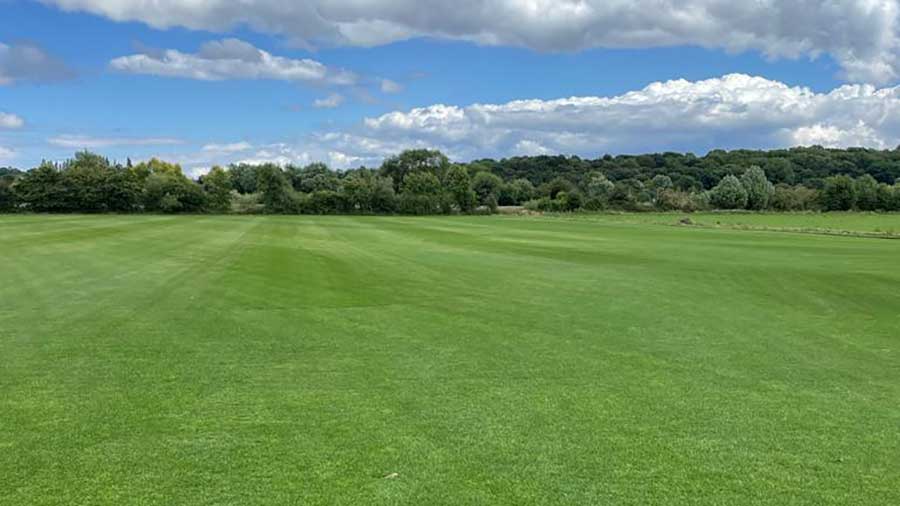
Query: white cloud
(863, 36)
(338, 150)
(88, 142)
(30, 63)
(860, 134)
(199, 161)
(343, 160)
(531, 148)
(329, 102)
(9, 120)
(231, 59)
(280, 154)
(733, 111)
(304, 154)
(6, 154)
(388, 86)
(234, 147)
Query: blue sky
(210, 84)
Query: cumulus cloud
(198, 162)
(860, 134)
(88, 142)
(388, 86)
(862, 35)
(733, 111)
(280, 154)
(29, 63)
(329, 102)
(231, 59)
(314, 148)
(300, 154)
(9, 120)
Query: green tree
(659, 183)
(248, 203)
(313, 177)
(169, 203)
(520, 190)
(143, 170)
(556, 185)
(170, 192)
(627, 194)
(243, 178)
(839, 193)
(42, 189)
(123, 192)
(780, 170)
(599, 189)
(359, 188)
(276, 193)
(411, 161)
(166, 189)
(217, 185)
(894, 200)
(458, 187)
(866, 189)
(569, 201)
(759, 189)
(686, 183)
(793, 198)
(421, 194)
(422, 183)
(598, 186)
(86, 181)
(885, 196)
(384, 198)
(487, 189)
(366, 192)
(671, 199)
(325, 202)
(728, 194)
(8, 200)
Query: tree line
(421, 182)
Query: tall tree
(277, 195)
(243, 178)
(86, 179)
(217, 185)
(171, 192)
(487, 189)
(839, 193)
(313, 177)
(8, 198)
(759, 189)
(519, 191)
(415, 160)
(42, 189)
(421, 194)
(728, 194)
(866, 188)
(458, 186)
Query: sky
(350, 82)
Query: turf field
(865, 224)
(487, 360)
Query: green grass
(874, 224)
(486, 360)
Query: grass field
(873, 224)
(486, 360)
